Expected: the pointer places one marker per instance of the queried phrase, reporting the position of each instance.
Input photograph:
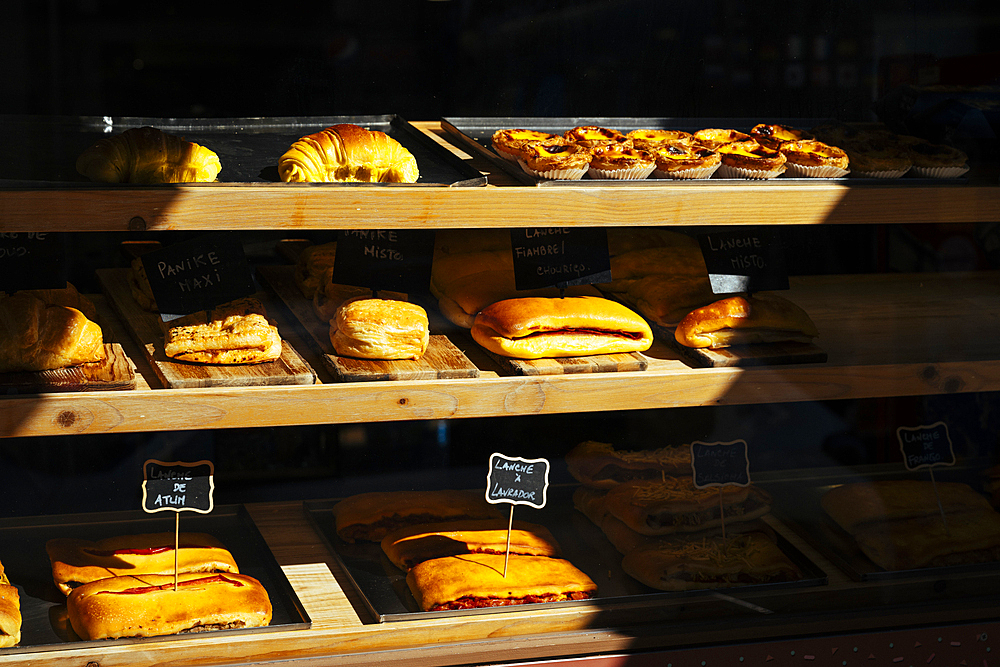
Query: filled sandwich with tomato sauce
(149, 605)
(539, 328)
(76, 562)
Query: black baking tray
(476, 133)
(40, 151)
(383, 586)
(797, 505)
(44, 625)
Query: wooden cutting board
(598, 363)
(144, 326)
(443, 360)
(114, 372)
(743, 356)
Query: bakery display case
(859, 525)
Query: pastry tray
(41, 151)
(384, 590)
(476, 133)
(45, 626)
(797, 505)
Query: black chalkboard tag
(519, 482)
(926, 446)
(720, 464)
(32, 260)
(559, 257)
(744, 259)
(178, 486)
(384, 259)
(198, 274)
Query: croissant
(147, 155)
(35, 336)
(348, 153)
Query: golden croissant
(348, 153)
(36, 336)
(147, 155)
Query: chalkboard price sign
(559, 257)
(517, 481)
(744, 259)
(32, 260)
(720, 464)
(384, 259)
(926, 446)
(199, 274)
(178, 486)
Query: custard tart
(748, 159)
(814, 159)
(772, 136)
(935, 160)
(592, 136)
(712, 138)
(685, 160)
(508, 143)
(555, 161)
(877, 159)
(648, 140)
(620, 162)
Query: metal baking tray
(383, 586)
(797, 505)
(476, 133)
(41, 151)
(45, 626)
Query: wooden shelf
(885, 335)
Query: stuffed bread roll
(739, 320)
(538, 328)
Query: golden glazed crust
(650, 140)
(773, 136)
(146, 155)
(68, 297)
(616, 156)
(234, 333)
(600, 465)
(477, 580)
(751, 155)
(509, 143)
(538, 327)
(411, 545)
(673, 156)
(712, 138)
(738, 320)
(76, 561)
(148, 605)
(35, 336)
(593, 136)
(683, 259)
(549, 156)
(348, 154)
(812, 153)
(371, 516)
(380, 329)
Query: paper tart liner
(886, 173)
(727, 171)
(555, 174)
(814, 171)
(687, 174)
(939, 172)
(636, 173)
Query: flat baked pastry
(234, 333)
(145, 155)
(148, 605)
(371, 516)
(348, 153)
(751, 558)
(600, 465)
(476, 580)
(77, 561)
(737, 320)
(408, 546)
(36, 336)
(539, 328)
(380, 329)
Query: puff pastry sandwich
(148, 606)
(348, 153)
(408, 546)
(738, 320)
(538, 328)
(76, 561)
(380, 329)
(10, 612)
(371, 516)
(37, 336)
(476, 580)
(601, 466)
(146, 155)
(234, 333)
